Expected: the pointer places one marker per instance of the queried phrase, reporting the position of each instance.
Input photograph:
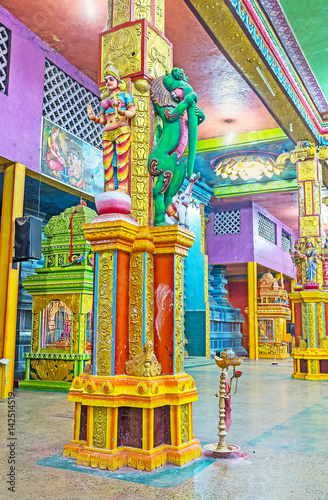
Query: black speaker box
(290, 328)
(28, 238)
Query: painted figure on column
(116, 110)
(53, 157)
(296, 258)
(172, 95)
(311, 257)
(324, 257)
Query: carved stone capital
(145, 363)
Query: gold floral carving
(149, 317)
(302, 344)
(309, 226)
(75, 337)
(87, 303)
(303, 151)
(72, 300)
(307, 170)
(121, 12)
(184, 423)
(110, 14)
(35, 332)
(140, 148)
(320, 326)
(301, 198)
(122, 48)
(136, 304)
(40, 302)
(178, 314)
(52, 369)
(319, 244)
(142, 9)
(313, 366)
(145, 363)
(105, 314)
(99, 427)
(324, 343)
(317, 197)
(308, 198)
(82, 334)
(160, 15)
(158, 54)
(203, 227)
(311, 325)
(304, 331)
(207, 319)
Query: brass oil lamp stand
(227, 359)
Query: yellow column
(12, 207)
(252, 309)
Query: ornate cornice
(286, 36)
(241, 30)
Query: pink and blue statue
(311, 257)
(116, 110)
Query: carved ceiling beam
(238, 36)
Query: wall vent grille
(4, 58)
(267, 229)
(65, 103)
(227, 222)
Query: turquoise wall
(195, 310)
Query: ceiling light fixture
(230, 137)
(90, 8)
(258, 69)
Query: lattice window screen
(65, 103)
(267, 229)
(227, 222)
(286, 241)
(4, 58)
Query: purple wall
(21, 109)
(248, 246)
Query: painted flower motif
(107, 387)
(90, 387)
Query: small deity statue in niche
(324, 257)
(296, 258)
(311, 257)
(116, 110)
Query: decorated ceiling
(72, 30)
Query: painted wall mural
(70, 160)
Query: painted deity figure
(311, 257)
(296, 258)
(324, 257)
(116, 110)
(175, 102)
(54, 160)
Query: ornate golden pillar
(136, 46)
(309, 297)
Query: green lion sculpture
(172, 95)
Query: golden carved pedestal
(135, 409)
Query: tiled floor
(280, 424)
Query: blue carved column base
(225, 320)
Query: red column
(122, 313)
(164, 311)
(298, 322)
